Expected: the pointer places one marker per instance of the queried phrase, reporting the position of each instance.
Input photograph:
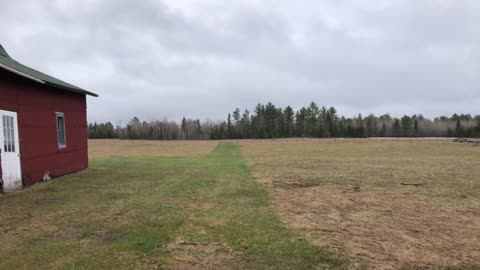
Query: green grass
(124, 212)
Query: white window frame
(57, 116)
(9, 133)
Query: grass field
(200, 212)
(361, 197)
(131, 149)
(272, 204)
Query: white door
(10, 151)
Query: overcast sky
(193, 58)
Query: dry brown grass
(126, 148)
(190, 256)
(349, 194)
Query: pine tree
(406, 125)
(311, 118)
(236, 123)
(332, 120)
(322, 130)
(289, 122)
(245, 125)
(476, 130)
(396, 129)
(342, 130)
(459, 132)
(300, 122)
(383, 131)
(184, 128)
(371, 125)
(416, 129)
(258, 122)
(270, 120)
(361, 132)
(229, 127)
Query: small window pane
(61, 130)
(8, 134)
(5, 139)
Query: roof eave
(79, 90)
(21, 73)
(76, 90)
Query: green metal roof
(8, 63)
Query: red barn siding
(36, 106)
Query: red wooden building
(43, 126)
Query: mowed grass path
(153, 213)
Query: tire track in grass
(240, 215)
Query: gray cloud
(202, 59)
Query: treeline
(156, 130)
(269, 121)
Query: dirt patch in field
(388, 228)
(203, 256)
(113, 236)
(348, 194)
(130, 148)
(205, 206)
